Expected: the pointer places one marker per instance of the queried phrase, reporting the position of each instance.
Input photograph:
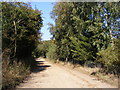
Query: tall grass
(13, 73)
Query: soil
(50, 75)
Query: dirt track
(48, 75)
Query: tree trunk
(15, 38)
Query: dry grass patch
(13, 73)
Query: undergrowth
(13, 73)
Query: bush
(109, 58)
(51, 54)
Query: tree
(82, 29)
(21, 25)
(20, 37)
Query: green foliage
(42, 48)
(46, 49)
(110, 58)
(51, 54)
(20, 37)
(80, 50)
(72, 23)
(21, 26)
(83, 29)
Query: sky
(46, 8)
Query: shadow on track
(40, 66)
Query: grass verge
(13, 74)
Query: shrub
(51, 54)
(109, 58)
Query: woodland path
(50, 75)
